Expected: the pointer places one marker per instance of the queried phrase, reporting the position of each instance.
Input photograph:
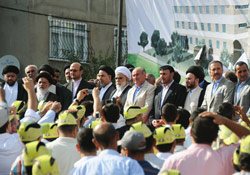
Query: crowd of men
(138, 125)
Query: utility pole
(119, 36)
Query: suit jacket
(243, 98)
(143, 98)
(107, 93)
(176, 95)
(223, 93)
(123, 97)
(65, 96)
(83, 85)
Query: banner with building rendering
(187, 32)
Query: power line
(43, 14)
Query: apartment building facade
(216, 24)
(51, 31)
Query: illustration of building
(218, 24)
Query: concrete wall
(26, 35)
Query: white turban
(125, 71)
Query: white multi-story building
(215, 23)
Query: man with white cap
(122, 77)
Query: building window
(239, 7)
(177, 24)
(68, 39)
(207, 9)
(222, 9)
(195, 26)
(242, 25)
(202, 26)
(196, 41)
(183, 25)
(190, 40)
(217, 27)
(193, 9)
(200, 9)
(124, 41)
(224, 45)
(223, 27)
(187, 9)
(181, 9)
(215, 10)
(210, 43)
(175, 9)
(209, 27)
(189, 25)
(217, 44)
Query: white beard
(121, 86)
(41, 93)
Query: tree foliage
(175, 37)
(161, 48)
(177, 52)
(155, 38)
(226, 57)
(143, 40)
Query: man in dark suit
(13, 89)
(77, 83)
(105, 76)
(169, 92)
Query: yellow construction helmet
(33, 150)
(29, 131)
(164, 135)
(142, 128)
(51, 132)
(80, 111)
(179, 131)
(45, 165)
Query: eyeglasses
(30, 71)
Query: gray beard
(42, 91)
(121, 87)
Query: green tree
(143, 40)
(175, 37)
(155, 38)
(226, 57)
(177, 52)
(161, 48)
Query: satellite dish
(8, 60)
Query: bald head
(105, 133)
(139, 75)
(76, 71)
(31, 71)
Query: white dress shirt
(11, 93)
(75, 87)
(103, 90)
(164, 91)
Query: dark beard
(11, 83)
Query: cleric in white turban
(123, 70)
